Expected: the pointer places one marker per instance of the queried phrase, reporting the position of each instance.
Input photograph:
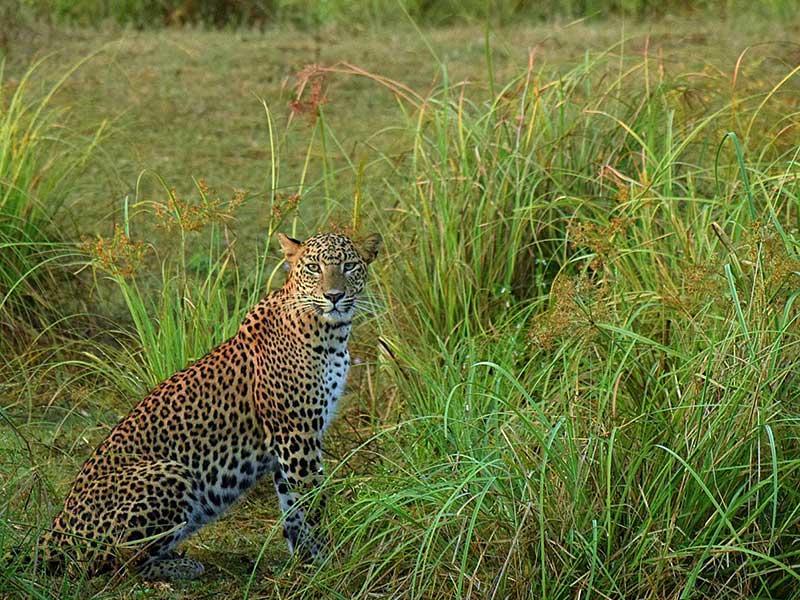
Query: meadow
(577, 377)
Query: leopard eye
(313, 268)
(350, 266)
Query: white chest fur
(334, 379)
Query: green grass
(350, 13)
(578, 376)
(40, 157)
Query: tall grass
(593, 331)
(39, 161)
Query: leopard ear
(291, 247)
(369, 247)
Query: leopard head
(327, 272)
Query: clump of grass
(197, 299)
(40, 159)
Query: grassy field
(578, 378)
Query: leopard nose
(334, 296)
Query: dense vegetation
(578, 376)
(309, 13)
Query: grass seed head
(117, 255)
(192, 215)
(577, 305)
(312, 77)
(284, 204)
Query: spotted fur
(259, 403)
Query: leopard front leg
(298, 473)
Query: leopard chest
(329, 367)
(334, 378)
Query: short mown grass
(577, 378)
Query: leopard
(257, 404)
